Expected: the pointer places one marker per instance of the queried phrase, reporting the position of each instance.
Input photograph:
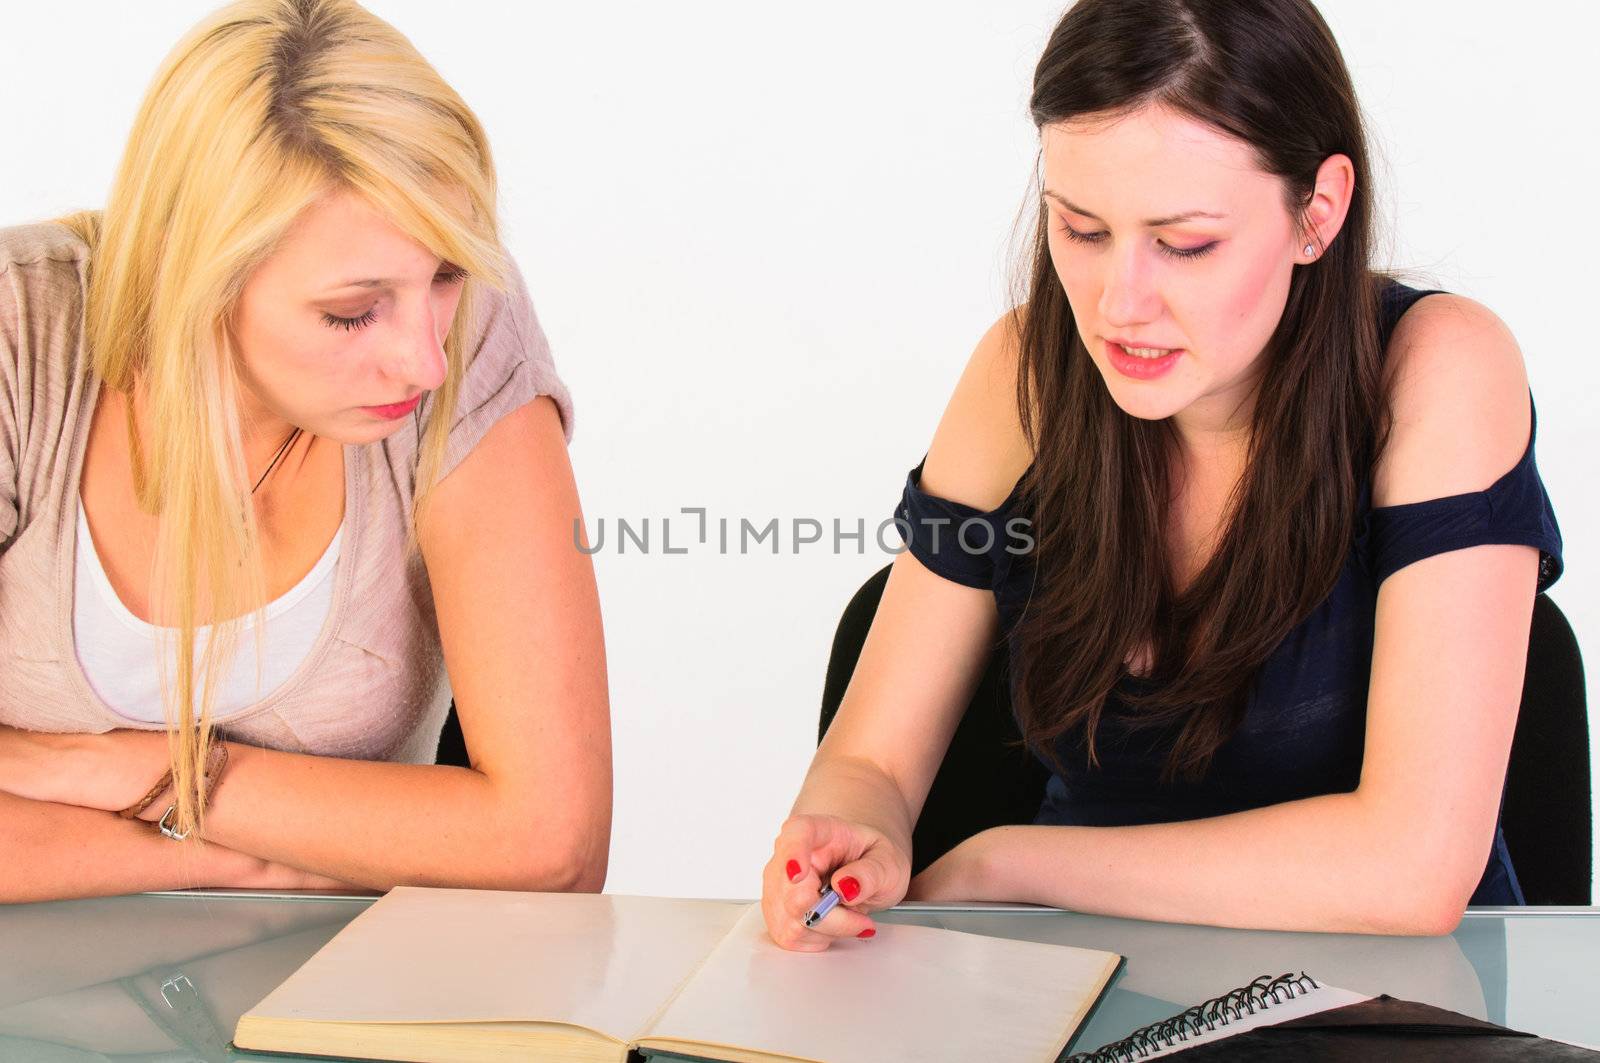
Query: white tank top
(118, 650)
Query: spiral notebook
(1310, 1020)
(1265, 1000)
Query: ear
(1324, 214)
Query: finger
(784, 897)
(796, 833)
(788, 863)
(791, 856)
(784, 923)
(843, 922)
(868, 883)
(820, 843)
(792, 896)
(790, 901)
(789, 934)
(803, 896)
(797, 872)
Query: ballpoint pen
(824, 905)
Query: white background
(763, 240)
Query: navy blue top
(1305, 719)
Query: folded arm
(518, 616)
(59, 852)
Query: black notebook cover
(1388, 1029)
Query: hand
(103, 771)
(866, 869)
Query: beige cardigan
(373, 686)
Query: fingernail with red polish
(792, 869)
(868, 932)
(849, 888)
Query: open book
(443, 974)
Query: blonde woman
(283, 469)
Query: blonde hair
(258, 111)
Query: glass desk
(162, 978)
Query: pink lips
(397, 410)
(1140, 368)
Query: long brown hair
(1268, 73)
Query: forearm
(1322, 863)
(379, 824)
(857, 790)
(59, 852)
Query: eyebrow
(1153, 223)
(384, 282)
(368, 282)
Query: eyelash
(1171, 252)
(350, 324)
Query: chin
(379, 432)
(360, 435)
(1150, 401)
(1146, 409)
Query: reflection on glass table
(163, 978)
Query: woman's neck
(262, 435)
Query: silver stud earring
(1309, 250)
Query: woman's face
(347, 314)
(1210, 287)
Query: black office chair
(452, 747)
(987, 778)
(1547, 817)
(985, 781)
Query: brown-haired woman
(1262, 539)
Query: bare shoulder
(1458, 394)
(979, 451)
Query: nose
(1128, 296)
(417, 357)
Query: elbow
(591, 878)
(1440, 897)
(1419, 871)
(1429, 919)
(581, 870)
(553, 847)
(1417, 913)
(1400, 910)
(577, 862)
(568, 865)
(1441, 920)
(1418, 896)
(567, 876)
